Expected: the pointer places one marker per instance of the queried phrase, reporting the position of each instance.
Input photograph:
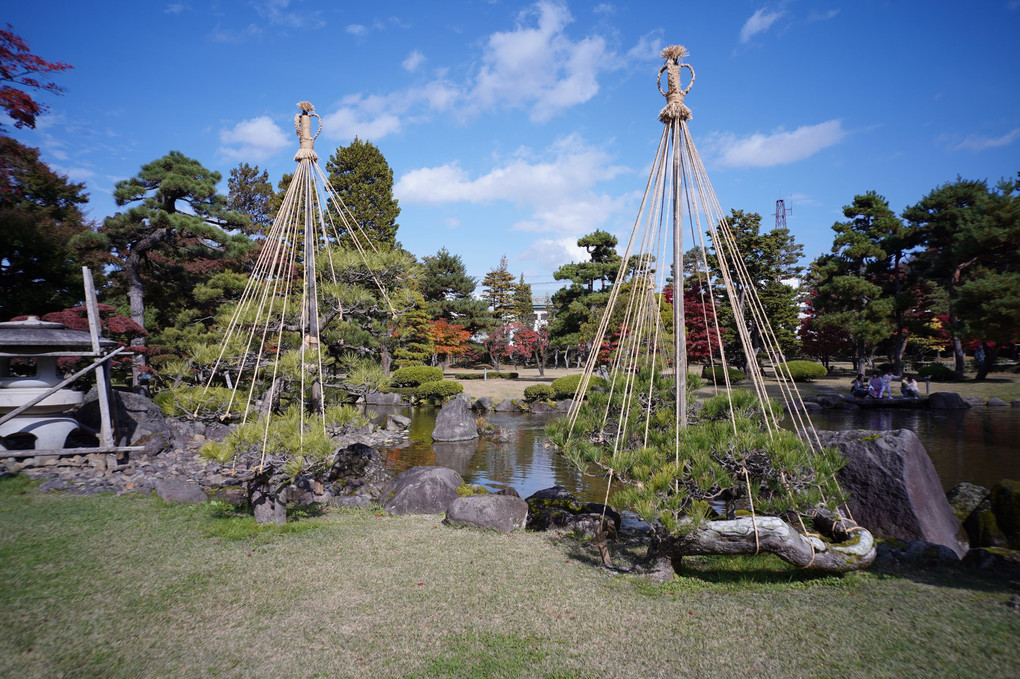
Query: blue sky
(516, 127)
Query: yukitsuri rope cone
(719, 477)
(279, 310)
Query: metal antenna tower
(781, 212)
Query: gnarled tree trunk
(754, 535)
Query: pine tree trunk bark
(753, 535)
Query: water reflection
(523, 459)
(978, 445)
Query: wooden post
(103, 369)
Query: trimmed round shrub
(716, 372)
(414, 375)
(566, 386)
(938, 372)
(803, 371)
(438, 389)
(539, 392)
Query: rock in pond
(894, 489)
(502, 513)
(455, 422)
(421, 490)
(947, 400)
(556, 508)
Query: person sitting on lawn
(909, 387)
(859, 387)
(875, 385)
(887, 379)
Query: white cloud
(413, 61)
(233, 36)
(647, 47)
(778, 148)
(254, 140)
(976, 142)
(551, 254)
(174, 8)
(558, 191)
(278, 14)
(759, 22)
(539, 66)
(372, 117)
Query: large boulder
(947, 400)
(507, 405)
(484, 404)
(397, 422)
(136, 416)
(421, 490)
(455, 422)
(502, 513)
(894, 489)
(358, 462)
(378, 398)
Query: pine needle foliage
(724, 462)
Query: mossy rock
(469, 489)
(964, 498)
(1005, 505)
(983, 529)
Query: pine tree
(415, 343)
(524, 305)
(448, 289)
(251, 194)
(499, 287)
(364, 181)
(161, 248)
(585, 298)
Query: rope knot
(303, 129)
(675, 108)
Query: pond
(979, 445)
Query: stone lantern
(47, 419)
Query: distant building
(543, 311)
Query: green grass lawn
(129, 587)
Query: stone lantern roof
(33, 336)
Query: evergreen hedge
(539, 392)
(938, 372)
(438, 389)
(716, 372)
(566, 386)
(803, 371)
(414, 375)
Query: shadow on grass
(767, 572)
